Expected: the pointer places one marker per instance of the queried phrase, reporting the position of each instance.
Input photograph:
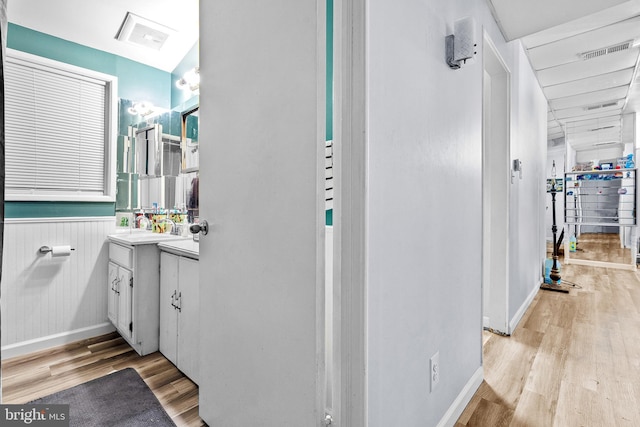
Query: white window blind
(58, 131)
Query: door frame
(496, 188)
(349, 214)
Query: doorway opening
(496, 175)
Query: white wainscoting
(46, 300)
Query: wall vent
(598, 106)
(606, 50)
(601, 128)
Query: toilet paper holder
(47, 249)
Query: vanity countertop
(144, 238)
(187, 248)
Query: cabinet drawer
(121, 255)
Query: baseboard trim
(26, 347)
(455, 410)
(61, 219)
(523, 308)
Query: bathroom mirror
(163, 184)
(190, 145)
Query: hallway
(574, 359)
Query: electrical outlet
(434, 370)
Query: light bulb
(181, 84)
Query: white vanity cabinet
(119, 303)
(180, 307)
(134, 286)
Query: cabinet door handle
(117, 289)
(173, 300)
(179, 307)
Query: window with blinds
(59, 127)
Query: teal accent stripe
(58, 209)
(328, 217)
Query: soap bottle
(139, 219)
(572, 243)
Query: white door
(261, 188)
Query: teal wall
(57, 209)
(191, 60)
(191, 126)
(136, 81)
(329, 94)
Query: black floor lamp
(555, 277)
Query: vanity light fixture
(190, 80)
(143, 109)
(461, 45)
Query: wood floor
(601, 247)
(574, 359)
(39, 374)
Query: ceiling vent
(140, 31)
(598, 106)
(602, 128)
(607, 50)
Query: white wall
(598, 154)
(528, 191)
(570, 156)
(48, 301)
(628, 235)
(425, 207)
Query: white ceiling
(95, 23)
(587, 97)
